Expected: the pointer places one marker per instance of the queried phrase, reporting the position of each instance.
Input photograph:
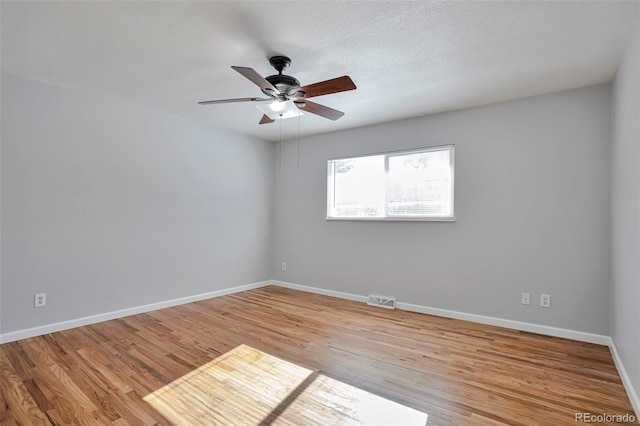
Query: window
(404, 185)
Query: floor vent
(382, 301)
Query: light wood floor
(274, 355)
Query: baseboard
(93, 319)
(626, 380)
(506, 323)
(499, 322)
(322, 291)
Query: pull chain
(280, 145)
(299, 141)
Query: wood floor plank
(280, 356)
(17, 406)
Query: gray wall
(532, 214)
(625, 205)
(108, 206)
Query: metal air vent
(381, 301)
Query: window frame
(386, 217)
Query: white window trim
(386, 218)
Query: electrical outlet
(545, 300)
(40, 300)
(284, 266)
(526, 298)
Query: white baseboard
(322, 291)
(93, 319)
(499, 322)
(626, 381)
(506, 323)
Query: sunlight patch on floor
(241, 386)
(246, 386)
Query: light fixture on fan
(279, 110)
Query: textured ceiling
(407, 58)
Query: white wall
(625, 205)
(107, 206)
(532, 214)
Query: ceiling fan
(285, 94)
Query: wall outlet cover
(545, 300)
(40, 300)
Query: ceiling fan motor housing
(284, 83)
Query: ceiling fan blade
(321, 110)
(256, 78)
(228, 101)
(265, 120)
(335, 85)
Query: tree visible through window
(415, 184)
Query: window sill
(393, 219)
